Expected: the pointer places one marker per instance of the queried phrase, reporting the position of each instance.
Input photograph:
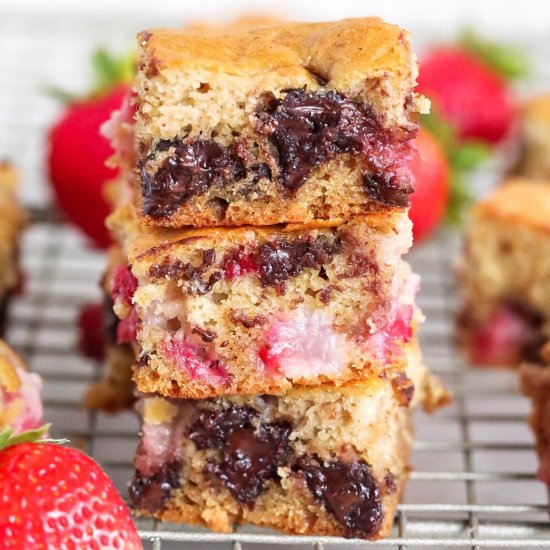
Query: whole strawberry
(431, 172)
(469, 88)
(54, 498)
(467, 93)
(77, 153)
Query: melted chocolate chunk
(189, 171)
(151, 492)
(249, 454)
(306, 129)
(279, 260)
(382, 188)
(348, 491)
(310, 128)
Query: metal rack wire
(472, 484)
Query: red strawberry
(91, 331)
(78, 153)
(55, 497)
(430, 169)
(468, 93)
(76, 163)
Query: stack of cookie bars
(262, 219)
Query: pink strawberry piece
(303, 347)
(126, 330)
(241, 265)
(124, 285)
(501, 339)
(91, 338)
(200, 364)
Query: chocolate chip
(189, 171)
(310, 128)
(348, 491)
(383, 188)
(240, 317)
(151, 492)
(250, 451)
(181, 271)
(208, 257)
(280, 260)
(206, 335)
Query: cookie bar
(287, 123)
(114, 391)
(535, 381)
(321, 461)
(12, 221)
(258, 310)
(20, 401)
(534, 139)
(505, 275)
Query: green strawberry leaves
(110, 70)
(463, 156)
(509, 61)
(8, 439)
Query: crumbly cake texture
(258, 310)
(504, 275)
(12, 221)
(535, 381)
(286, 123)
(114, 391)
(20, 402)
(534, 139)
(323, 461)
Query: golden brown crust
(143, 243)
(338, 51)
(518, 201)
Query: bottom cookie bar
(326, 461)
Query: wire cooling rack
(472, 483)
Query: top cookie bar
(288, 123)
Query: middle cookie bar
(260, 310)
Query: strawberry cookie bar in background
(534, 139)
(504, 275)
(20, 401)
(12, 221)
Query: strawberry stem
(463, 156)
(110, 70)
(8, 439)
(508, 61)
